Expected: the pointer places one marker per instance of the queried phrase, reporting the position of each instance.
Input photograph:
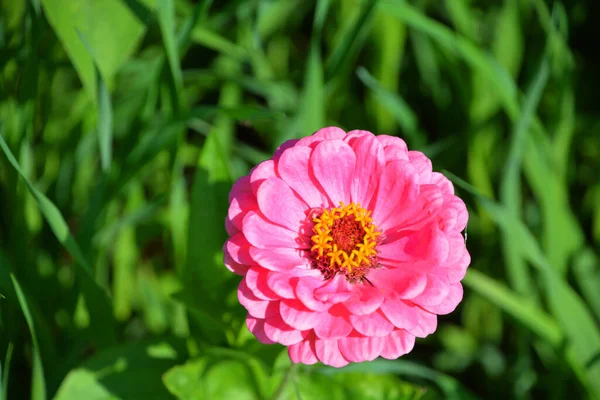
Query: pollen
(344, 242)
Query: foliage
(123, 124)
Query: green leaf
(38, 381)
(6, 372)
(97, 300)
(128, 371)
(166, 21)
(112, 29)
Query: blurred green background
(124, 123)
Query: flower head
(349, 247)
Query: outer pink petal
(435, 292)
(303, 352)
(280, 204)
(402, 315)
(280, 259)
(397, 344)
(329, 353)
(256, 307)
(265, 235)
(333, 323)
(442, 182)
(455, 266)
(284, 146)
(393, 147)
(370, 160)
(422, 164)
(330, 132)
(239, 249)
(367, 299)
(260, 173)
(240, 186)
(450, 302)
(374, 324)
(257, 327)
(256, 279)
(453, 215)
(239, 206)
(280, 332)
(297, 316)
(427, 324)
(425, 250)
(333, 163)
(293, 167)
(360, 348)
(239, 269)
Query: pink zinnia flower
(349, 245)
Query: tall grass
(123, 124)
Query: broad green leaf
(127, 371)
(38, 380)
(98, 302)
(112, 30)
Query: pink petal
(453, 215)
(293, 167)
(356, 134)
(422, 164)
(425, 249)
(240, 186)
(435, 292)
(280, 332)
(288, 144)
(260, 173)
(449, 303)
(284, 283)
(333, 163)
(393, 147)
(280, 259)
(257, 327)
(239, 249)
(397, 193)
(256, 279)
(400, 314)
(442, 182)
(265, 235)
(374, 324)
(335, 290)
(360, 348)
(329, 353)
(305, 291)
(397, 344)
(455, 266)
(331, 132)
(256, 307)
(297, 315)
(230, 227)
(370, 160)
(240, 205)
(427, 324)
(279, 204)
(333, 323)
(303, 352)
(366, 300)
(398, 284)
(239, 269)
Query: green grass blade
(344, 50)
(587, 276)
(166, 21)
(581, 330)
(510, 186)
(38, 381)
(97, 299)
(518, 307)
(104, 110)
(6, 371)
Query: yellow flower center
(344, 241)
